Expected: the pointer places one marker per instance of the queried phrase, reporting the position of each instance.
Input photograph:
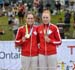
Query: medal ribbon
(46, 29)
(31, 30)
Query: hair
(29, 12)
(46, 11)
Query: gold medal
(27, 35)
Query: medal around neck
(27, 35)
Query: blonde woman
(49, 38)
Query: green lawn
(9, 34)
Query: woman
(21, 12)
(27, 38)
(49, 38)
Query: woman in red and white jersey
(26, 38)
(49, 38)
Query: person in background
(61, 27)
(10, 14)
(15, 25)
(21, 12)
(49, 38)
(26, 38)
(1, 4)
(15, 10)
(29, 6)
(67, 18)
(58, 6)
(26, 9)
(40, 9)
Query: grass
(9, 34)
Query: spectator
(15, 25)
(71, 6)
(26, 9)
(15, 9)
(21, 12)
(48, 5)
(67, 19)
(10, 18)
(61, 28)
(40, 9)
(1, 4)
(58, 6)
(29, 6)
(66, 3)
